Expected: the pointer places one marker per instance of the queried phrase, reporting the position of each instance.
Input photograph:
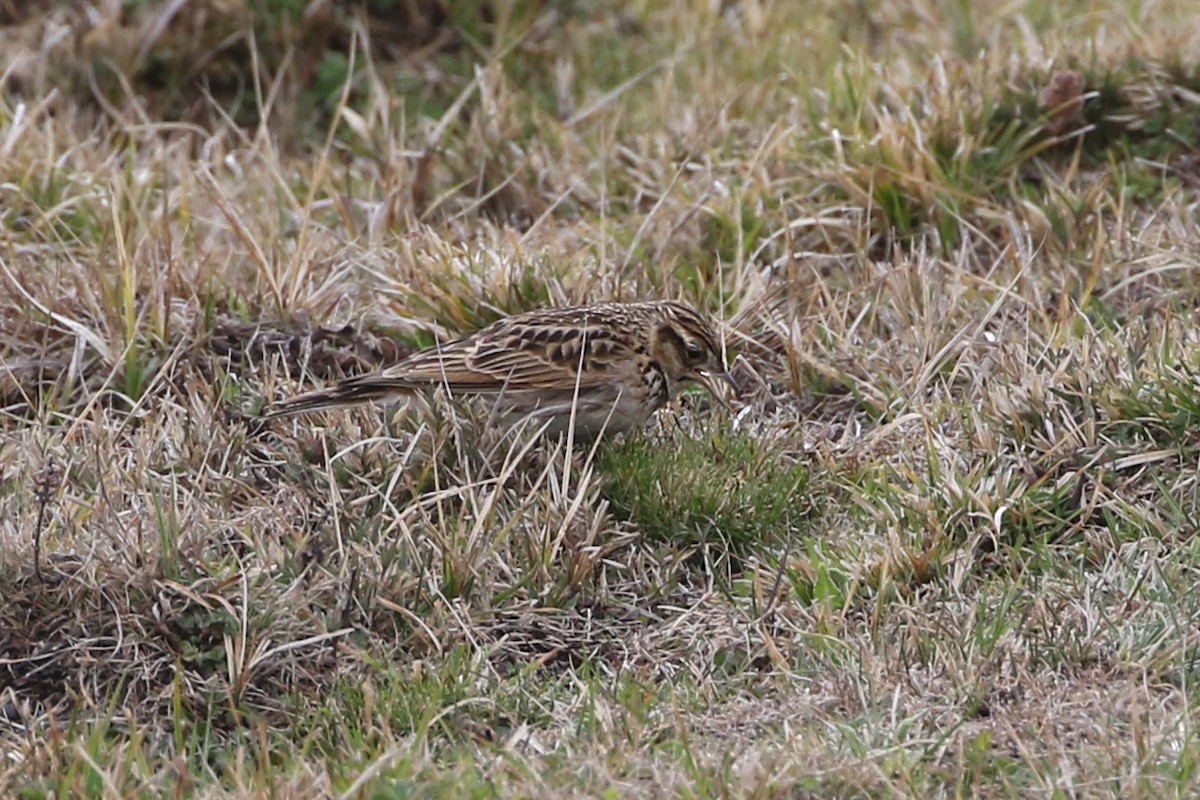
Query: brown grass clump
(942, 543)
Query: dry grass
(954, 551)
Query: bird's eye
(694, 351)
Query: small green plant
(727, 487)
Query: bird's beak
(709, 379)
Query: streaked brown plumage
(603, 367)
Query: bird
(604, 367)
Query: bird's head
(685, 345)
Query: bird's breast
(658, 390)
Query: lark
(598, 368)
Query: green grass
(726, 490)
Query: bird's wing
(551, 351)
(516, 357)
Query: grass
(941, 544)
(725, 489)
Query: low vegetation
(940, 543)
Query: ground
(941, 543)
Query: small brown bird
(603, 367)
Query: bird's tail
(350, 392)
